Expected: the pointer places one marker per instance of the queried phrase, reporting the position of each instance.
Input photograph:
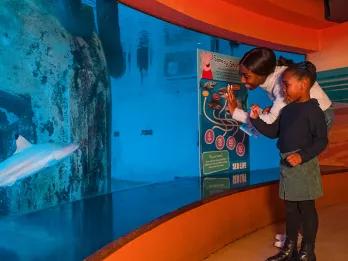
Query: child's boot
(307, 252)
(287, 253)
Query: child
(259, 67)
(302, 134)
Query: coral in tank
(54, 88)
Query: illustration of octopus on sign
(221, 127)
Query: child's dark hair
(302, 70)
(261, 61)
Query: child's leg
(310, 227)
(293, 221)
(293, 218)
(310, 220)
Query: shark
(29, 158)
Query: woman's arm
(277, 96)
(240, 115)
(273, 114)
(269, 130)
(270, 117)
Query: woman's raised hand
(231, 98)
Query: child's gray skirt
(300, 183)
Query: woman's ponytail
(282, 61)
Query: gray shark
(31, 158)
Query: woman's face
(250, 79)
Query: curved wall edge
(194, 232)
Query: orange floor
(332, 240)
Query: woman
(258, 67)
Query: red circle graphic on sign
(209, 136)
(231, 143)
(220, 142)
(240, 149)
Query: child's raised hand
(255, 111)
(266, 110)
(294, 159)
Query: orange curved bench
(195, 231)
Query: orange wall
(309, 13)
(333, 48)
(229, 21)
(336, 153)
(194, 234)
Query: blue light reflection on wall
(154, 102)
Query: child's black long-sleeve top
(300, 126)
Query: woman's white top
(273, 87)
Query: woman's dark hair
(302, 70)
(261, 61)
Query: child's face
(250, 79)
(292, 86)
